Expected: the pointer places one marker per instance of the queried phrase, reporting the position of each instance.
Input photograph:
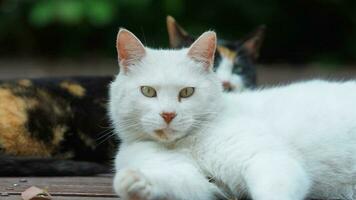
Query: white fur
(285, 143)
(224, 73)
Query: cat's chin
(167, 135)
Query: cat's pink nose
(226, 85)
(168, 116)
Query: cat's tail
(26, 166)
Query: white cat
(178, 128)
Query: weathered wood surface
(61, 188)
(62, 198)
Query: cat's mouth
(228, 87)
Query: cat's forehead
(165, 56)
(163, 67)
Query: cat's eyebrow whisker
(204, 87)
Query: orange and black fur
(53, 126)
(243, 53)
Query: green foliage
(321, 31)
(101, 12)
(174, 7)
(136, 4)
(41, 14)
(72, 12)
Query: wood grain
(61, 188)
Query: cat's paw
(133, 185)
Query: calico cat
(52, 126)
(178, 127)
(234, 60)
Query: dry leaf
(35, 193)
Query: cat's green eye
(148, 91)
(186, 92)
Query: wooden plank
(99, 186)
(16, 197)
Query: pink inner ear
(203, 49)
(129, 48)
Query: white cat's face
(166, 94)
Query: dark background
(51, 35)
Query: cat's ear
(130, 50)
(252, 43)
(178, 37)
(203, 49)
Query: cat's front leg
(276, 176)
(147, 173)
(164, 182)
(132, 184)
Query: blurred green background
(298, 31)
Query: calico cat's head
(163, 95)
(234, 63)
